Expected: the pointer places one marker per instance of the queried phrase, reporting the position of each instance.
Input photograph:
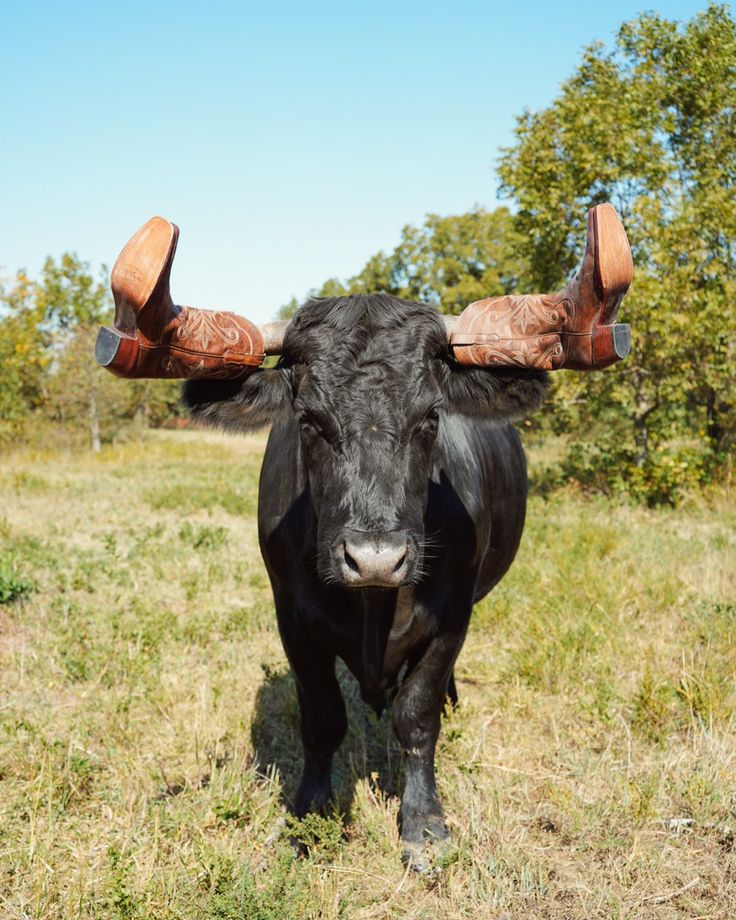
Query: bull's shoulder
(481, 454)
(478, 497)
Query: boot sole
(141, 267)
(614, 267)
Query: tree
(83, 395)
(72, 305)
(24, 355)
(47, 335)
(650, 126)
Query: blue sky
(289, 141)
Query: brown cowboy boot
(152, 337)
(575, 328)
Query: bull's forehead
(366, 358)
(374, 388)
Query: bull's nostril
(350, 562)
(400, 563)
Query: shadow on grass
(370, 750)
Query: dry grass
(149, 729)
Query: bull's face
(368, 412)
(365, 381)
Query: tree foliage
(650, 126)
(24, 356)
(47, 335)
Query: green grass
(149, 729)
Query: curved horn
(273, 336)
(575, 328)
(450, 323)
(152, 336)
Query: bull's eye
(310, 427)
(428, 425)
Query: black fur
(376, 429)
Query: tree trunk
(94, 423)
(142, 413)
(713, 427)
(641, 437)
(644, 407)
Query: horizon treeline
(648, 124)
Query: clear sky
(288, 140)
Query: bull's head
(365, 382)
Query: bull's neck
(378, 607)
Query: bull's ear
(504, 393)
(240, 405)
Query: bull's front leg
(322, 711)
(416, 716)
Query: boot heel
(610, 344)
(614, 267)
(116, 351)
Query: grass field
(148, 724)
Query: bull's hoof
(427, 856)
(425, 844)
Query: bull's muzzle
(379, 560)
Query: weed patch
(13, 584)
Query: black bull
(392, 498)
